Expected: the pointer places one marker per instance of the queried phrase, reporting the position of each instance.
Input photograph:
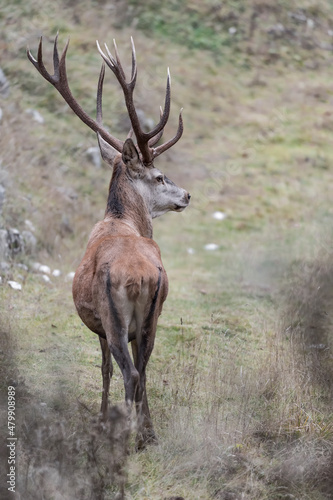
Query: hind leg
(107, 370)
(146, 434)
(119, 351)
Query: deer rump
(120, 287)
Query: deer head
(160, 194)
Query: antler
(60, 82)
(145, 141)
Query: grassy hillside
(240, 380)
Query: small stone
(45, 269)
(310, 23)
(232, 30)
(36, 266)
(191, 251)
(46, 278)
(36, 116)
(219, 215)
(23, 266)
(211, 246)
(56, 273)
(15, 285)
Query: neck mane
(125, 204)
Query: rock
(191, 251)
(211, 246)
(45, 269)
(4, 85)
(4, 248)
(93, 154)
(23, 266)
(4, 266)
(30, 242)
(15, 241)
(56, 273)
(310, 23)
(15, 285)
(41, 268)
(219, 215)
(46, 278)
(36, 116)
(11, 243)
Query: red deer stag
(121, 284)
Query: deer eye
(160, 178)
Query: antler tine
(118, 59)
(163, 147)
(165, 116)
(56, 55)
(99, 113)
(38, 63)
(109, 59)
(112, 59)
(134, 66)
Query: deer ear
(131, 156)
(108, 153)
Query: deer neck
(126, 205)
